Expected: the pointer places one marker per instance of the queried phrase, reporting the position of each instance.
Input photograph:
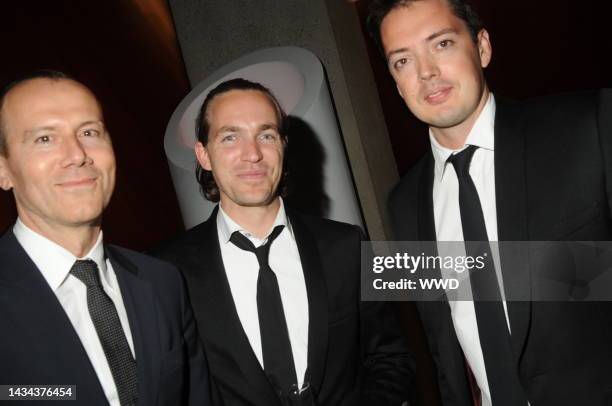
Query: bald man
(110, 326)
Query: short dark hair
(380, 8)
(38, 74)
(205, 178)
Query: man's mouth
(80, 182)
(252, 175)
(439, 95)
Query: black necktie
(504, 384)
(275, 344)
(107, 324)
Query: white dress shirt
(54, 263)
(448, 227)
(242, 269)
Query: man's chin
(446, 119)
(257, 203)
(256, 199)
(84, 217)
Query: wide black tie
(504, 384)
(108, 326)
(275, 344)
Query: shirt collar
(481, 135)
(226, 226)
(53, 260)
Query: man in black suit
(500, 171)
(114, 324)
(278, 290)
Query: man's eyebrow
(440, 33)
(428, 39)
(90, 122)
(28, 134)
(268, 126)
(228, 128)
(396, 51)
(39, 129)
(52, 127)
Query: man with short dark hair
(115, 325)
(278, 290)
(500, 171)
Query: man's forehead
(236, 96)
(234, 103)
(417, 21)
(44, 94)
(35, 89)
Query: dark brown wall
(126, 52)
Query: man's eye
(400, 63)
(445, 44)
(43, 139)
(228, 138)
(269, 136)
(91, 133)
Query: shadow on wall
(305, 159)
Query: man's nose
(427, 68)
(75, 152)
(252, 151)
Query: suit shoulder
(322, 227)
(182, 244)
(152, 267)
(8, 243)
(564, 105)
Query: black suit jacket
(38, 344)
(355, 351)
(553, 181)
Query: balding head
(50, 75)
(59, 161)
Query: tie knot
(262, 251)
(86, 271)
(461, 161)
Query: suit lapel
(140, 306)
(511, 202)
(425, 210)
(43, 321)
(210, 288)
(317, 299)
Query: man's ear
(5, 178)
(485, 50)
(202, 156)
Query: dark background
(126, 51)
